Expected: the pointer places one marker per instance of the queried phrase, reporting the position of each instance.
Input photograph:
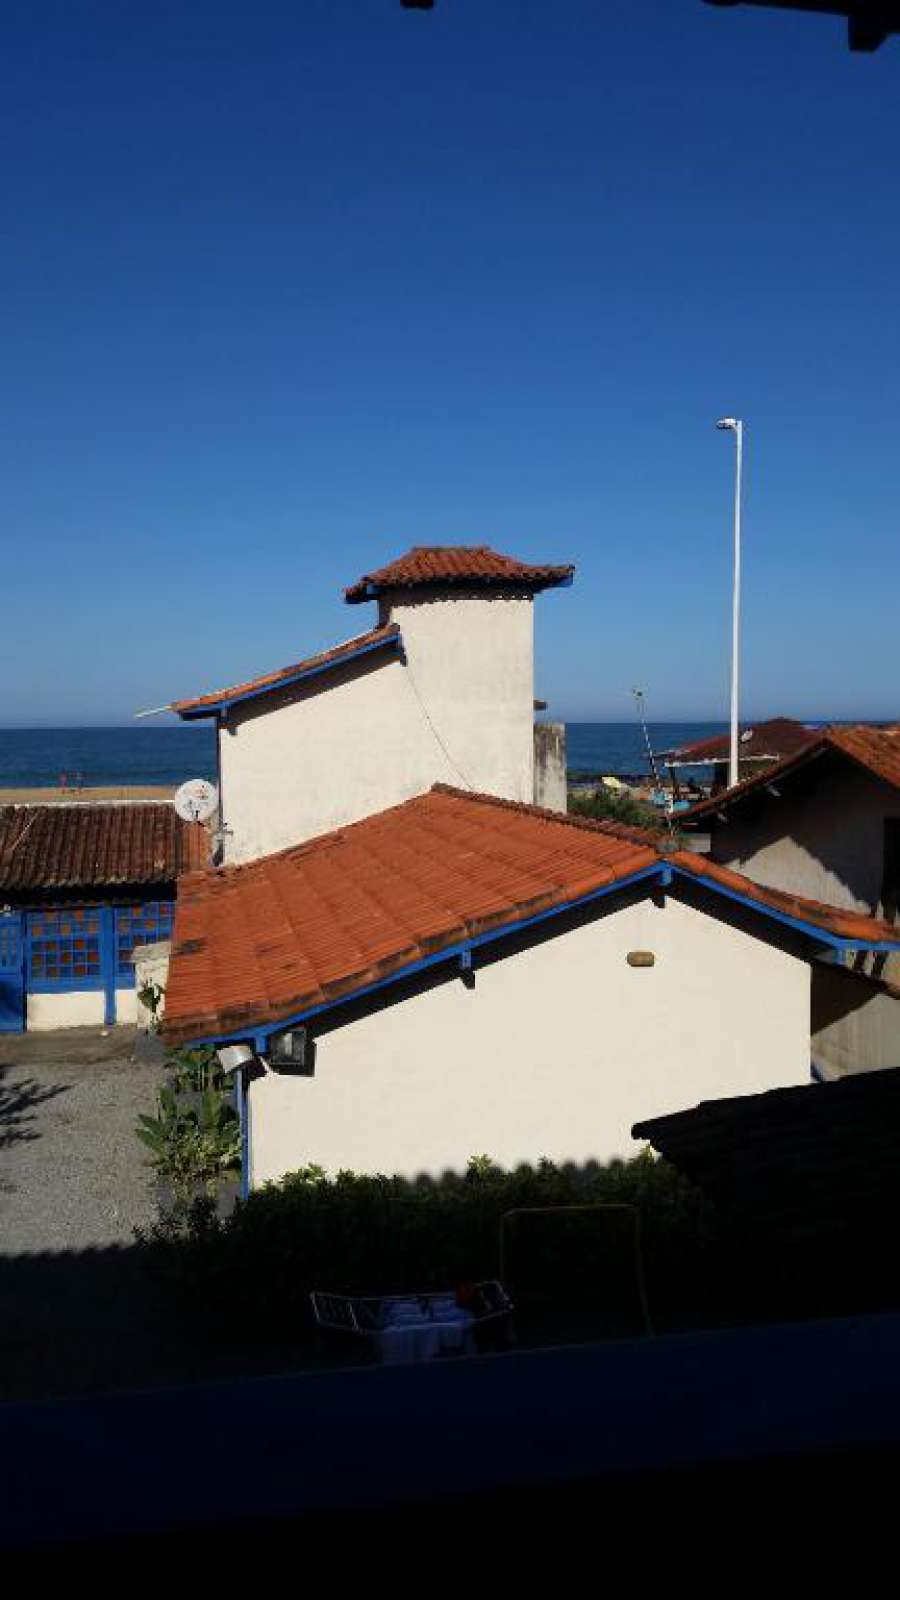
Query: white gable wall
(316, 755)
(555, 1052)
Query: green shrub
(251, 1273)
(606, 806)
(191, 1143)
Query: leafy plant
(151, 996)
(195, 1071)
(191, 1145)
(601, 804)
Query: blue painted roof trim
(662, 871)
(450, 953)
(373, 591)
(220, 707)
(810, 929)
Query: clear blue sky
(287, 287)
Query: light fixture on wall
(233, 1056)
(292, 1051)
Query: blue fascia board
(810, 929)
(374, 591)
(221, 707)
(453, 952)
(662, 871)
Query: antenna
(196, 800)
(639, 702)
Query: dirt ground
(80, 1310)
(72, 1174)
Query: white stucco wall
(79, 1008)
(309, 758)
(855, 1022)
(126, 1005)
(551, 788)
(75, 1008)
(555, 1052)
(471, 662)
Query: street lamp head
(727, 422)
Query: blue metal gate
(12, 973)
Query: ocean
(38, 757)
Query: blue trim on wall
(108, 962)
(220, 707)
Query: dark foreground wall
(614, 1446)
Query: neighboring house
(441, 689)
(461, 975)
(825, 822)
(760, 744)
(80, 886)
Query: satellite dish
(196, 800)
(747, 735)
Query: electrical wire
(426, 714)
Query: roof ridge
(630, 834)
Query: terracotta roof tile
(257, 944)
(877, 750)
(326, 659)
(476, 565)
(87, 846)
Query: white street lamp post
(735, 426)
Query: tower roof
(472, 565)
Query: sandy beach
(32, 797)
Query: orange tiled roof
(85, 846)
(205, 703)
(877, 750)
(255, 945)
(473, 564)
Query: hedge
(251, 1273)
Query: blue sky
(287, 288)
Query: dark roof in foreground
(287, 935)
(473, 565)
(87, 846)
(759, 741)
(875, 750)
(791, 1156)
(312, 667)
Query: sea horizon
(118, 755)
